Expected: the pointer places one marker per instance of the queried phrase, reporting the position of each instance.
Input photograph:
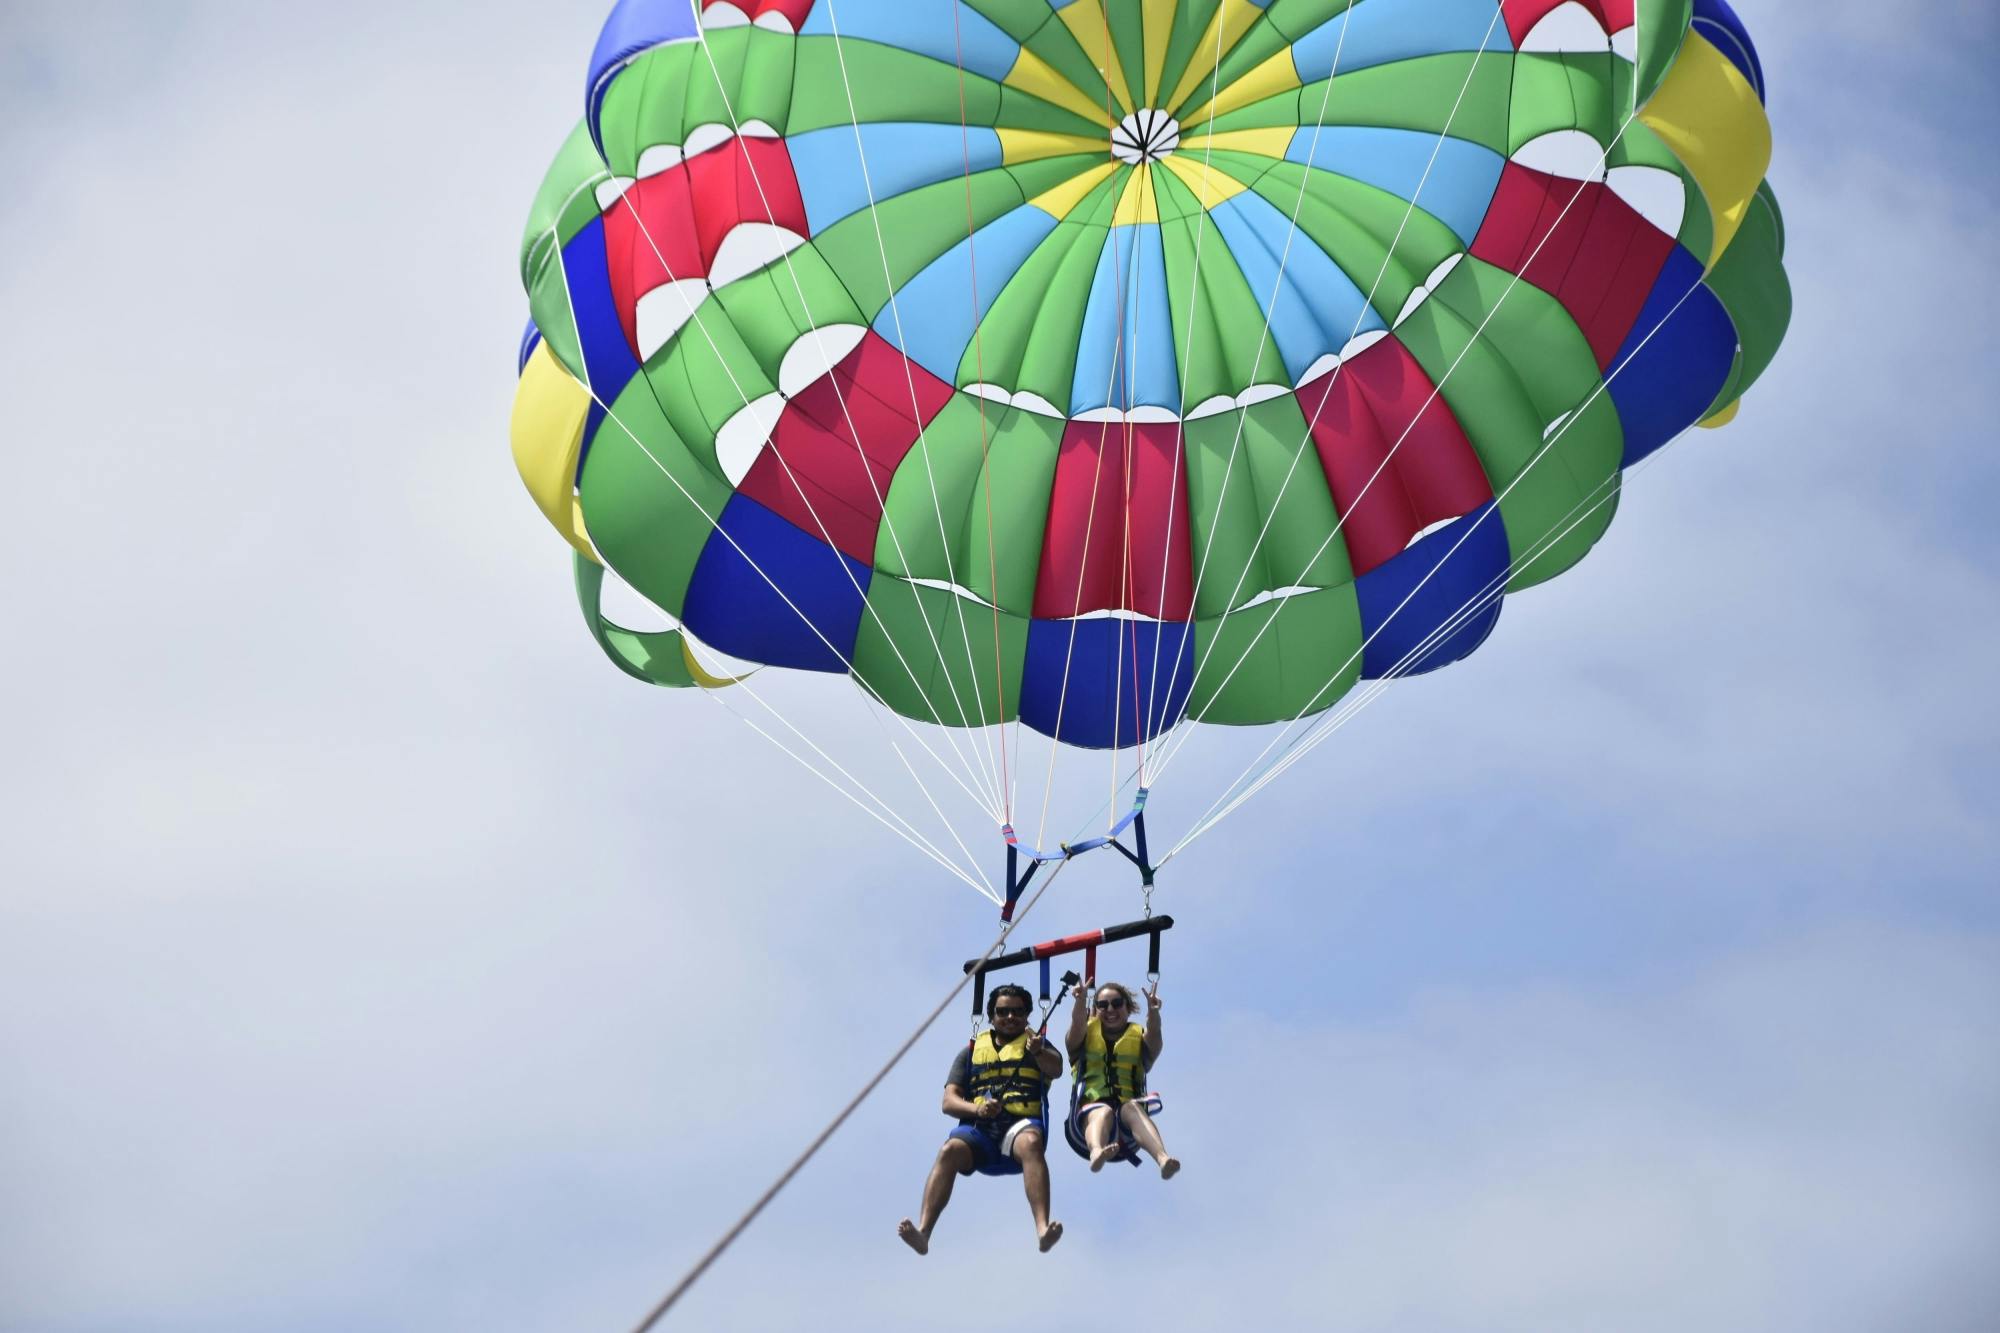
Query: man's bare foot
(1169, 1168)
(1102, 1155)
(1050, 1235)
(916, 1239)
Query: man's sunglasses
(1009, 1011)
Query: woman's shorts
(1128, 1147)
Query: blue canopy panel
(531, 338)
(1128, 679)
(1457, 190)
(1717, 22)
(1125, 355)
(931, 320)
(1416, 594)
(731, 605)
(840, 172)
(1314, 307)
(608, 363)
(1672, 365)
(635, 26)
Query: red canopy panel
(678, 218)
(1600, 258)
(795, 11)
(1523, 15)
(813, 464)
(1393, 452)
(1117, 535)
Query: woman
(1111, 1055)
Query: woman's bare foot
(1050, 1235)
(1100, 1156)
(916, 1239)
(1169, 1168)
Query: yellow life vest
(1119, 1068)
(1007, 1074)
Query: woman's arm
(1079, 1017)
(1154, 1039)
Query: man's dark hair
(993, 1000)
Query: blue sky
(372, 955)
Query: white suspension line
(921, 786)
(1328, 723)
(1090, 518)
(1129, 372)
(1535, 552)
(916, 414)
(985, 778)
(1368, 304)
(900, 826)
(1187, 357)
(1263, 336)
(1437, 390)
(915, 839)
(702, 326)
(923, 439)
(612, 415)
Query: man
(1112, 1056)
(998, 1093)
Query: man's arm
(960, 1107)
(1046, 1058)
(956, 1104)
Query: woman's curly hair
(1131, 996)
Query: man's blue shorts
(991, 1148)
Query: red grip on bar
(1090, 964)
(1070, 944)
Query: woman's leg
(1097, 1135)
(1144, 1132)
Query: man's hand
(1036, 1041)
(986, 1108)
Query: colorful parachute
(1104, 364)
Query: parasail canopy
(1100, 366)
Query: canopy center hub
(1145, 136)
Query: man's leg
(1147, 1134)
(953, 1160)
(1097, 1136)
(1035, 1179)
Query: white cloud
(379, 959)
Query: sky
(374, 956)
